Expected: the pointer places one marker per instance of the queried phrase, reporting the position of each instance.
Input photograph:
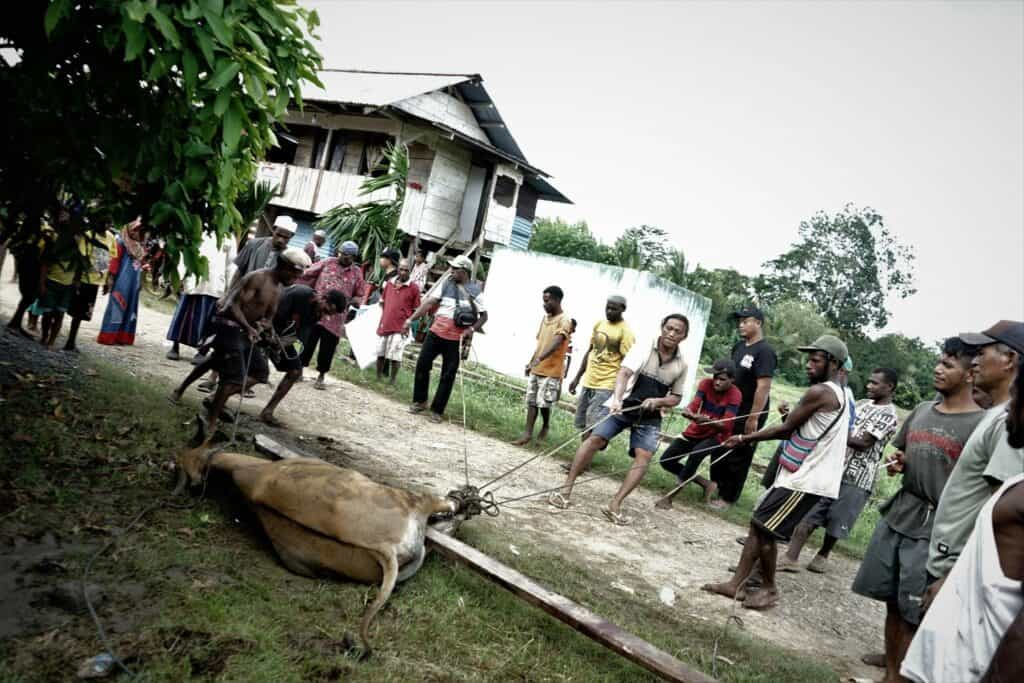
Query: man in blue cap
(337, 272)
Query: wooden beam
(580, 618)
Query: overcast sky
(728, 123)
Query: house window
(504, 190)
(337, 153)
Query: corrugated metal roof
(376, 88)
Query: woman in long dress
(124, 280)
(199, 294)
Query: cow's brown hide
(327, 520)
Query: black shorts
(232, 351)
(287, 359)
(83, 301)
(781, 510)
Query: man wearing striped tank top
(811, 468)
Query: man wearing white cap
(319, 237)
(241, 315)
(261, 252)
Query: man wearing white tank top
(811, 468)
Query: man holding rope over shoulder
(651, 379)
(811, 469)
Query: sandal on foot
(206, 387)
(559, 501)
(616, 518)
(272, 421)
(416, 409)
(435, 418)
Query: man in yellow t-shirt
(546, 365)
(610, 341)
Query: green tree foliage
(728, 290)
(910, 357)
(644, 247)
(846, 264)
(676, 269)
(790, 324)
(571, 240)
(373, 225)
(158, 107)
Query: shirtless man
(248, 308)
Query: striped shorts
(781, 510)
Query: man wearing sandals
(811, 469)
(650, 380)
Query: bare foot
(788, 564)
(726, 589)
(543, 434)
(521, 441)
(710, 490)
(271, 421)
(664, 504)
(762, 599)
(175, 397)
(719, 504)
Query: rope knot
(470, 502)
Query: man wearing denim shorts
(650, 380)
(610, 341)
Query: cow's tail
(389, 564)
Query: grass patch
(211, 602)
(499, 411)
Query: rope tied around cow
(471, 502)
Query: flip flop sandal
(616, 518)
(206, 387)
(173, 401)
(319, 386)
(435, 418)
(559, 501)
(415, 409)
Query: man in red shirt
(399, 298)
(712, 413)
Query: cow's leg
(308, 553)
(389, 563)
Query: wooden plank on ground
(580, 618)
(267, 446)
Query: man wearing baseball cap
(987, 460)
(460, 313)
(811, 469)
(959, 632)
(336, 272)
(929, 443)
(755, 361)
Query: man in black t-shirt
(755, 364)
(298, 311)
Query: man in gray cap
(811, 469)
(319, 238)
(929, 443)
(337, 272)
(261, 252)
(987, 459)
(610, 341)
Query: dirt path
(678, 550)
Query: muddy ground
(678, 550)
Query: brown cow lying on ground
(327, 520)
